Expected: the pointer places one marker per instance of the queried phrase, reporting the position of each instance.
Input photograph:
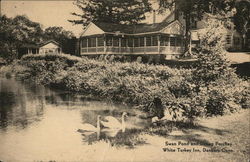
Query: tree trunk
(187, 35)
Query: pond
(38, 123)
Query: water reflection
(130, 138)
(44, 122)
(18, 107)
(116, 137)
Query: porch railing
(133, 50)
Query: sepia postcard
(124, 81)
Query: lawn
(238, 57)
(228, 133)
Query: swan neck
(98, 124)
(123, 124)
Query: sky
(51, 12)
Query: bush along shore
(212, 88)
(182, 92)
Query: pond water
(37, 123)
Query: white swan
(91, 128)
(113, 123)
(155, 119)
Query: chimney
(154, 17)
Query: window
(130, 42)
(228, 39)
(172, 41)
(193, 23)
(84, 42)
(136, 42)
(154, 41)
(100, 41)
(109, 41)
(148, 41)
(91, 42)
(141, 41)
(164, 41)
(123, 42)
(178, 41)
(236, 40)
(115, 41)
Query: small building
(50, 46)
(232, 37)
(28, 49)
(164, 38)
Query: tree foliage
(194, 10)
(242, 17)
(113, 11)
(63, 37)
(20, 30)
(16, 31)
(211, 54)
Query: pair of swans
(111, 124)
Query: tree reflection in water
(19, 107)
(130, 138)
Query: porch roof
(131, 29)
(30, 45)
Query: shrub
(6, 70)
(183, 93)
(213, 76)
(212, 63)
(70, 60)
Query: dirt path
(238, 57)
(227, 136)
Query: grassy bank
(156, 89)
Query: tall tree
(194, 10)
(65, 38)
(57, 33)
(114, 11)
(242, 18)
(25, 30)
(16, 31)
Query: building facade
(164, 38)
(50, 46)
(233, 39)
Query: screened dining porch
(132, 44)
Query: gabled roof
(132, 29)
(38, 45)
(49, 41)
(168, 18)
(29, 45)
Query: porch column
(144, 45)
(127, 45)
(133, 44)
(104, 43)
(112, 47)
(120, 45)
(96, 46)
(175, 44)
(80, 46)
(169, 43)
(87, 45)
(159, 44)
